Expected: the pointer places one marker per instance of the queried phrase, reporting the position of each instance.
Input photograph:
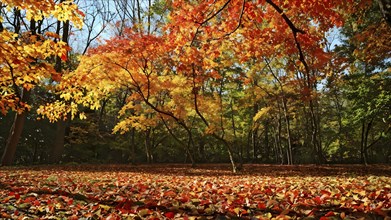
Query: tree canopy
(258, 81)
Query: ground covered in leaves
(207, 192)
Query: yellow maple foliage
(24, 57)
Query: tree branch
(294, 29)
(239, 22)
(195, 92)
(208, 19)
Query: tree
(367, 76)
(95, 23)
(184, 72)
(25, 57)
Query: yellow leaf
(237, 211)
(105, 207)
(261, 113)
(66, 96)
(82, 115)
(143, 212)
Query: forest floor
(209, 191)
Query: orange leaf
(170, 193)
(56, 77)
(80, 13)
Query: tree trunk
(13, 139)
(385, 8)
(231, 158)
(279, 144)
(254, 144)
(201, 149)
(267, 144)
(14, 135)
(364, 141)
(230, 152)
(369, 126)
(58, 145)
(59, 141)
(190, 143)
(18, 124)
(149, 16)
(319, 158)
(252, 135)
(286, 116)
(147, 145)
(133, 146)
(340, 137)
(235, 136)
(288, 131)
(1, 23)
(362, 145)
(248, 145)
(100, 118)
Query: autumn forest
(225, 87)
(212, 81)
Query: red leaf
(127, 205)
(184, 199)
(205, 202)
(325, 192)
(70, 201)
(261, 205)
(169, 214)
(64, 57)
(36, 203)
(29, 199)
(80, 13)
(329, 214)
(256, 192)
(268, 191)
(17, 61)
(318, 200)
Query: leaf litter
(209, 191)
